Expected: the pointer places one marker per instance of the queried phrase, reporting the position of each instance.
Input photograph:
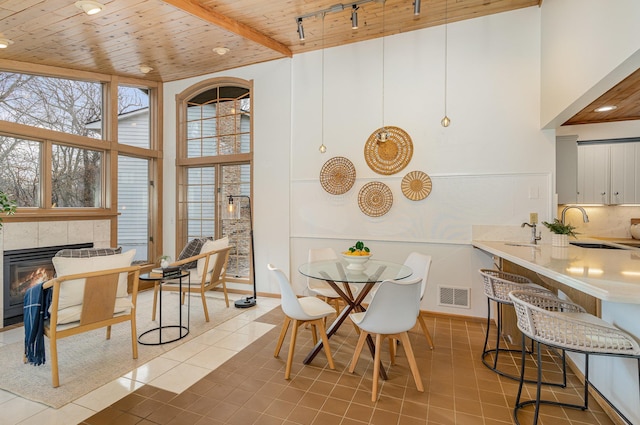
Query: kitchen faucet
(585, 217)
(534, 238)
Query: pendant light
(446, 121)
(383, 134)
(322, 147)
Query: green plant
(359, 246)
(7, 205)
(559, 228)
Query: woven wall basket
(337, 175)
(375, 199)
(391, 156)
(416, 185)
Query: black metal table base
(160, 281)
(159, 330)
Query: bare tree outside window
(61, 105)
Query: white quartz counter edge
(611, 286)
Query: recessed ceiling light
(89, 7)
(606, 108)
(221, 50)
(145, 69)
(5, 42)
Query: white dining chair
(310, 310)
(319, 287)
(391, 314)
(420, 264)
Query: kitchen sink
(595, 245)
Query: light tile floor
(173, 371)
(220, 377)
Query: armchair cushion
(191, 249)
(72, 293)
(88, 252)
(208, 246)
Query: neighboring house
(133, 206)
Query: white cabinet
(593, 174)
(608, 173)
(567, 169)
(624, 168)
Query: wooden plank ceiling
(176, 37)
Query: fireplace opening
(24, 268)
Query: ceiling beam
(208, 14)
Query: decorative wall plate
(416, 185)
(375, 199)
(391, 156)
(337, 175)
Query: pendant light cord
(323, 148)
(446, 60)
(383, 128)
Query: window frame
(183, 162)
(108, 144)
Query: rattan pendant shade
(391, 156)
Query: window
(51, 103)
(20, 170)
(76, 177)
(57, 151)
(214, 161)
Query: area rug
(88, 361)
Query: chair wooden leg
(55, 379)
(155, 301)
(292, 347)
(325, 343)
(204, 306)
(109, 332)
(224, 290)
(283, 333)
(314, 332)
(412, 360)
(423, 325)
(357, 351)
(392, 350)
(376, 367)
(134, 341)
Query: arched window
(214, 155)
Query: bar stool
(561, 324)
(497, 285)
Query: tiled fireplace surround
(51, 233)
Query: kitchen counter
(607, 274)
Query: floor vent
(454, 297)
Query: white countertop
(608, 274)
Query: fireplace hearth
(24, 268)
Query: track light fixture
(416, 7)
(300, 29)
(338, 8)
(354, 17)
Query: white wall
(588, 46)
(493, 165)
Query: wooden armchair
(210, 272)
(102, 305)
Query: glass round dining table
(338, 274)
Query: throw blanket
(36, 310)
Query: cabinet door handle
(617, 193)
(603, 193)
